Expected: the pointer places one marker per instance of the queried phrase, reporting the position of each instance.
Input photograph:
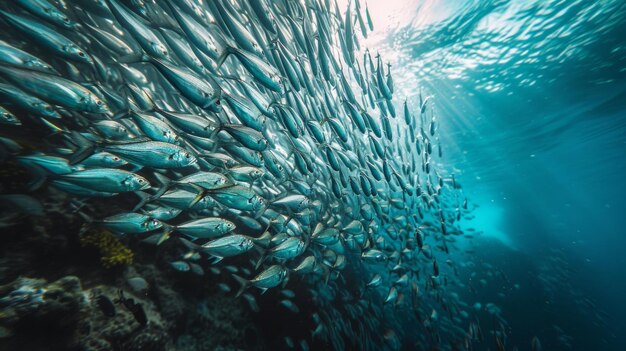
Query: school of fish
(260, 139)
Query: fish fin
(165, 235)
(261, 259)
(243, 282)
(216, 259)
(284, 283)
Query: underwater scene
(312, 175)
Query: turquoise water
(531, 99)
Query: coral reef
(32, 306)
(120, 329)
(35, 315)
(56, 293)
(112, 251)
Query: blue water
(531, 101)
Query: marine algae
(112, 251)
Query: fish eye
(217, 102)
(81, 54)
(140, 180)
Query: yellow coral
(112, 251)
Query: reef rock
(35, 315)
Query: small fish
(240, 198)
(107, 180)
(28, 102)
(228, 246)
(134, 308)
(269, 278)
(48, 37)
(106, 305)
(205, 228)
(22, 203)
(54, 89)
(246, 174)
(140, 31)
(15, 56)
(138, 284)
(307, 265)
(375, 281)
(146, 153)
(259, 69)
(290, 305)
(535, 344)
(129, 223)
(180, 266)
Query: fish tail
(227, 52)
(39, 176)
(165, 185)
(143, 199)
(263, 240)
(244, 284)
(215, 131)
(201, 193)
(85, 148)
